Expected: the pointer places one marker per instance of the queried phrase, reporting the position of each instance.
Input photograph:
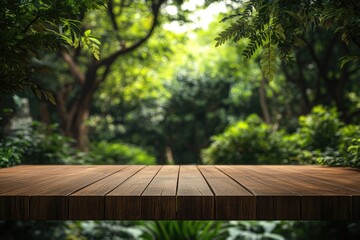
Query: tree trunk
(44, 113)
(80, 130)
(73, 116)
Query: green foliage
(247, 142)
(268, 61)
(255, 230)
(9, 157)
(321, 138)
(267, 23)
(99, 230)
(39, 145)
(319, 129)
(69, 33)
(120, 153)
(31, 27)
(196, 110)
(185, 230)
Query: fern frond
(268, 61)
(256, 41)
(237, 30)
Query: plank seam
(176, 194)
(97, 181)
(211, 189)
(151, 181)
(246, 188)
(124, 181)
(67, 196)
(141, 195)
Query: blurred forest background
(180, 82)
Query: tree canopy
(281, 26)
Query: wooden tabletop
(135, 192)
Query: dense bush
(319, 130)
(247, 142)
(120, 153)
(321, 138)
(39, 144)
(42, 144)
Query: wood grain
(271, 202)
(194, 197)
(319, 201)
(16, 191)
(89, 202)
(132, 192)
(158, 201)
(232, 201)
(124, 202)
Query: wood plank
(51, 200)
(343, 181)
(15, 192)
(341, 177)
(158, 201)
(89, 202)
(25, 176)
(318, 201)
(271, 202)
(232, 201)
(261, 192)
(124, 202)
(48, 200)
(195, 201)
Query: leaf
(87, 33)
(38, 93)
(346, 59)
(299, 42)
(50, 97)
(94, 40)
(345, 38)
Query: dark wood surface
(136, 192)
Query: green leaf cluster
(278, 26)
(30, 28)
(168, 230)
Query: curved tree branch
(110, 59)
(74, 69)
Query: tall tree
(123, 15)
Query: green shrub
(319, 129)
(323, 139)
(120, 153)
(9, 157)
(247, 142)
(40, 144)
